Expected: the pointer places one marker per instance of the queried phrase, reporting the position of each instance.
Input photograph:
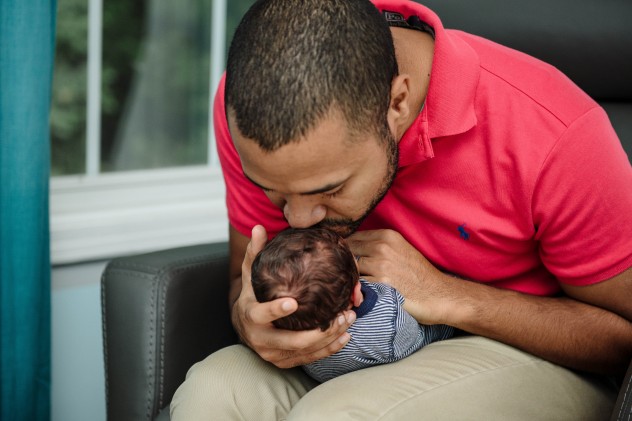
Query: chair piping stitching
(625, 397)
(105, 341)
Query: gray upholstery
(164, 311)
(623, 407)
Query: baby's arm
(386, 334)
(411, 336)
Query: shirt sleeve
(246, 203)
(411, 336)
(582, 204)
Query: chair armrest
(162, 312)
(623, 407)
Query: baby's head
(313, 266)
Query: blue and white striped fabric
(382, 333)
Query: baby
(316, 267)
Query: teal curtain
(27, 36)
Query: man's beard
(347, 226)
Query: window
(133, 159)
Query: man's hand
(253, 322)
(385, 256)
(559, 329)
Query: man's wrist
(236, 321)
(458, 301)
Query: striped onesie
(382, 333)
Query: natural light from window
(133, 165)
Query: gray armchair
(164, 311)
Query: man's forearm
(233, 294)
(561, 330)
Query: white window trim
(95, 218)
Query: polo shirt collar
(368, 302)
(449, 106)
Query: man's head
(291, 62)
(314, 266)
(313, 103)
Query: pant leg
(235, 384)
(466, 378)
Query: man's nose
(302, 212)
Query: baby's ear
(356, 295)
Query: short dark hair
(291, 62)
(312, 265)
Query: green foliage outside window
(154, 88)
(68, 116)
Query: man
(434, 151)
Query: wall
(78, 379)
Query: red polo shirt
(511, 175)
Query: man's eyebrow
(324, 189)
(319, 190)
(256, 184)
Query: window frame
(97, 216)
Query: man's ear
(399, 108)
(356, 295)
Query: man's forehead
(332, 125)
(298, 168)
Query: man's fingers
(275, 345)
(258, 239)
(366, 235)
(264, 313)
(290, 359)
(361, 243)
(368, 265)
(290, 349)
(256, 244)
(309, 341)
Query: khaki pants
(465, 378)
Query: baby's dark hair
(314, 266)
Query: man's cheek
(276, 200)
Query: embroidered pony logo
(462, 233)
